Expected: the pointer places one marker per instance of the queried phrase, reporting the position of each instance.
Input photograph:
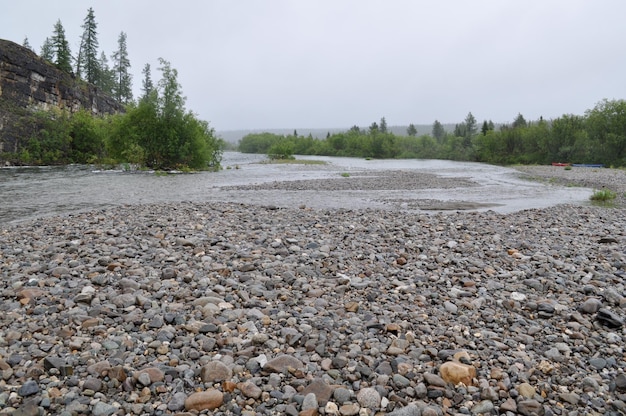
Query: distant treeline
(599, 136)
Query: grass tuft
(603, 195)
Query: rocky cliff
(29, 82)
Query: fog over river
(420, 185)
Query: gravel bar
(234, 309)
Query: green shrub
(281, 150)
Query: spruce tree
(46, 50)
(438, 130)
(147, 86)
(26, 44)
(87, 63)
(519, 121)
(383, 125)
(123, 90)
(411, 130)
(61, 48)
(106, 80)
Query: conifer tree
(87, 64)
(147, 85)
(106, 80)
(61, 48)
(26, 44)
(46, 50)
(122, 91)
(383, 125)
(519, 121)
(411, 130)
(438, 130)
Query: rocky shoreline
(594, 178)
(233, 309)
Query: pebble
(369, 398)
(485, 406)
(215, 371)
(204, 400)
(192, 307)
(526, 390)
(410, 410)
(591, 305)
(250, 390)
(103, 409)
(349, 409)
(455, 373)
(609, 318)
(310, 402)
(29, 388)
(341, 395)
(530, 407)
(320, 389)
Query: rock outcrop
(29, 82)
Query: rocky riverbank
(595, 178)
(232, 309)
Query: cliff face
(30, 82)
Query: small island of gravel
(236, 309)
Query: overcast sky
(254, 64)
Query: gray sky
(253, 64)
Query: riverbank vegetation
(155, 131)
(598, 136)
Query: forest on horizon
(598, 137)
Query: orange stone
(204, 400)
(455, 373)
(229, 386)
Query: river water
(31, 192)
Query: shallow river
(30, 192)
